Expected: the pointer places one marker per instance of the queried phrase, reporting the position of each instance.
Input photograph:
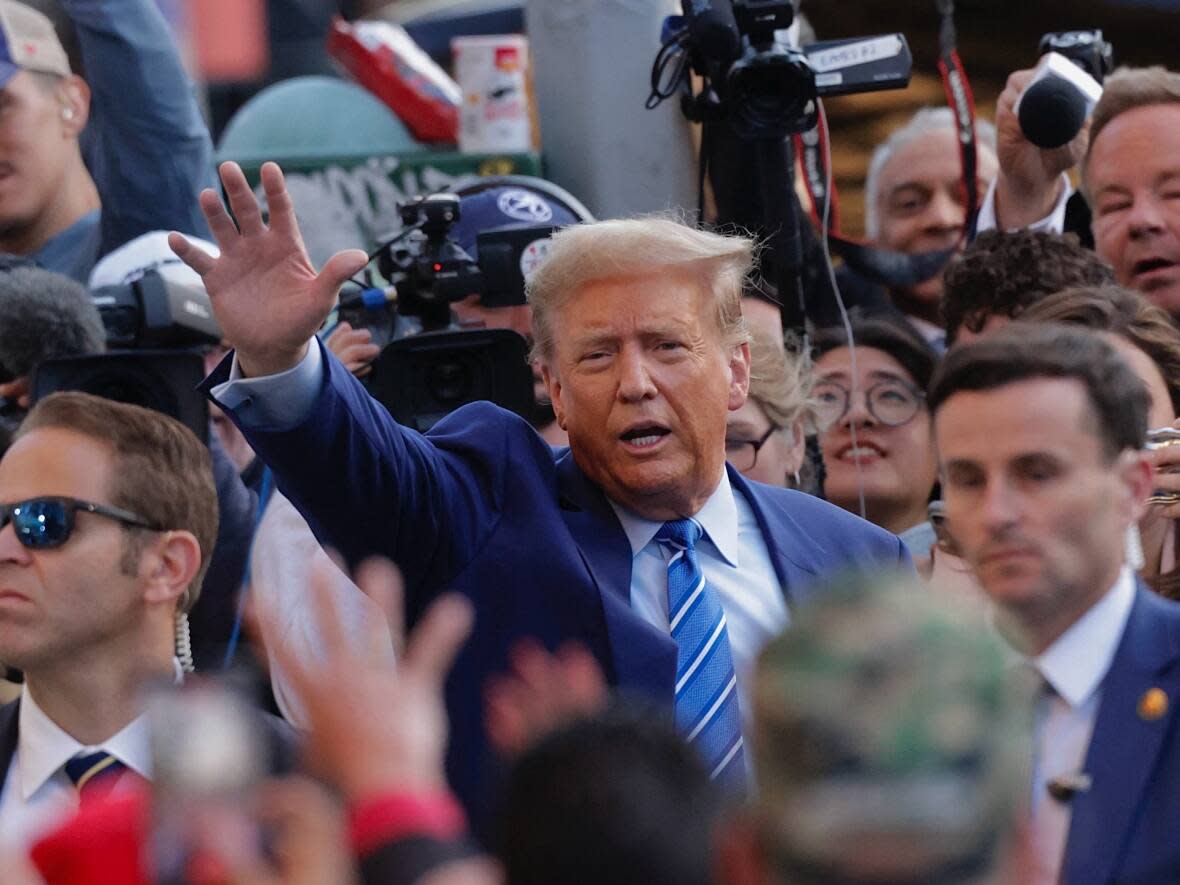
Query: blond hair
(586, 253)
(781, 382)
(1125, 90)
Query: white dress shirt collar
(1076, 663)
(43, 748)
(718, 517)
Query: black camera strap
(898, 270)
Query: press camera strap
(898, 270)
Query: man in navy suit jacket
(643, 349)
(1040, 432)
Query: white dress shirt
(736, 563)
(37, 793)
(1053, 223)
(1073, 667)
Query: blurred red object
(102, 845)
(229, 40)
(385, 60)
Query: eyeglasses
(743, 453)
(891, 403)
(42, 523)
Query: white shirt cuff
(1054, 222)
(274, 402)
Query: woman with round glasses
(874, 428)
(765, 438)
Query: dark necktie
(94, 774)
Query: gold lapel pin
(1153, 705)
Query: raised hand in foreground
(376, 727)
(266, 294)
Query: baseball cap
(888, 715)
(511, 204)
(28, 42)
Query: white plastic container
(493, 74)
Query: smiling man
(1040, 433)
(637, 541)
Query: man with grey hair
(636, 542)
(1130, 175)
(914, 200)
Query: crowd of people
(886, 601)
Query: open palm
(266, 294)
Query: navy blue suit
(1126, 827)
(483, 506)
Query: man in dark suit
(108, 515)
(1040, 431)
(637, 541)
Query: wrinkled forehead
(932, 159)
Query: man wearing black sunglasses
(108, 515)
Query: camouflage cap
(889, 721)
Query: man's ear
(1137, 476)
(73, 94)
(553, 386)
(171, 564)
(739, 375)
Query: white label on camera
(858, 53)
(533, 256)
(822, 81)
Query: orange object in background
(229, 40)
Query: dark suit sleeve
(368, 486)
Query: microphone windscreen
(44, 315)
(1052, 112)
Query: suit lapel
(1125, 745)
(643, 657)
(792, 567)
(8, 736)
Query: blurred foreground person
(1040, 432)
(108, 516)
(891, 755)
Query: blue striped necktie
(707, 711)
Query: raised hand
(1029, 181)
(375, 727)
(266, 294)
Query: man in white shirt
(108, 515)
(1130, 177)
(1040, 432)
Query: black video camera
(767, 88)
(422, 377)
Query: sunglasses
(43, 523)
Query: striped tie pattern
(707, 711)
(93, 774)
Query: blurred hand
(1029, 182)
(376, 727)
(543, 692)
(17, 391)
(354, 348)
(310, 844)
(1166, 463)
(266, 295)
